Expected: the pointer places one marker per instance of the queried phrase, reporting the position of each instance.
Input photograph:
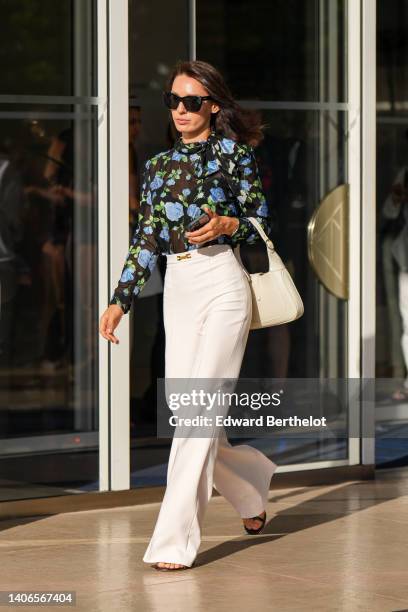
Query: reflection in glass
(48, 47)
(283, 50)
(48, 356)
(289, 54)
(48, 249)
(296, 175)
(152, 53)
(268, 51)
(392, 234)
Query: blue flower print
(176, 185)
(193, 211)
(174, 210)
(212, 166)
(262, 210)
(152, 262)
(245, 185)
(127, 275)
(164, 233)
(227, 145)
(156, 183)
(217, 194)
(144, 257)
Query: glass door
(292, 63)
(297, 65)
(391, 353)
(152, 53)
(50, 115)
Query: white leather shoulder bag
(275, 299)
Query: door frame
(361, 129)
(114, 360)
(368, 224)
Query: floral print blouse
(219, 173)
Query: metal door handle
(328, 242)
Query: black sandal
(258, 518)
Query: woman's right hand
(109, 322)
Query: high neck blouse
(217, 172)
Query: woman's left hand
(218, 225)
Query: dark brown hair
(232, 120)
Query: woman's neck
(197, 137)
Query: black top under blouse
(219, 173)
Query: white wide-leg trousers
(207, 313)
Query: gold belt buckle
(186, 256)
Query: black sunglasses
(191, 103)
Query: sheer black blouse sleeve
(250, 198)
(143, 251)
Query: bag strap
(268, 242)
(264, 237)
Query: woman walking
(207, 304)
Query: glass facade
(48, 248)
(280, 56)
(392, 245)
(296, 79)
(290, 61)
